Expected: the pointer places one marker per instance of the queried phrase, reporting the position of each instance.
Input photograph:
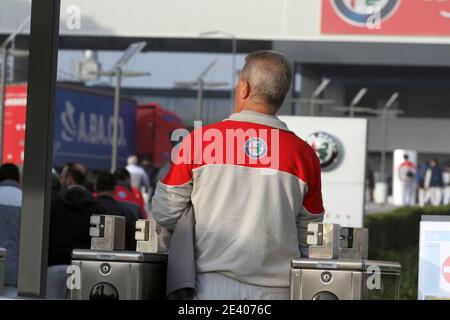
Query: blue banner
(84, 123)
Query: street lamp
(384, 127)
(322, 86)
(233, 57)
(314, 99)
(380, 192)
(118, 72)
(200, 84)
(5, 52)
(356, 100)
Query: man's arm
(312, 209)
(173, 193)
(169, 203)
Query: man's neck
(259, 107)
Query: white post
(115, 139)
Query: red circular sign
(446, 269)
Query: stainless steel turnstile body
(119, 275)
(332, 279)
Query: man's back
(139, 177)
(10, 208)
(433, 177)
(69, 224)
(131, 199)
(250, 195)
(407, 172)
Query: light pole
(117, 72)
(201, 84)
(361, 93)
(5, 51)
(352, 108)
(383, 113)
(384, 127)
(380, 191)
(233, 59)
(314, 100)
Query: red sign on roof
(386, 17)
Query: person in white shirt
(139, 178)
(407, 175)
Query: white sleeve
(169, 203)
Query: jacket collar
(258, 118)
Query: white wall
(246, 19)
(423, 135)
(342, 187)
(174, 18)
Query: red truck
(83, 128)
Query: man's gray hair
(269, 75)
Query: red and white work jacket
(254, 186)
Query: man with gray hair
(139, 178)
(254, 186)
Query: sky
(166, 68)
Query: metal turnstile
(338, 268)
(106, 272)
(330, 279)
(120, 275)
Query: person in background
(407, 174)
(146, 164)
(446, 178)
(370, 185)
(90, 181)
(128, 195)
(10, 209)
(106, 204)
(423, 195)
(70, 215)
(434, 182)
(139, 178)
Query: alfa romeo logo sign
(359, 12)
(327, 149)
(255, 148)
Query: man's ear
(244, 89)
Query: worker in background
(10, 209)
(70, 215)
(106, 204)
(128, 195)
(434, 182)
(422, 194)
(139, 178)
(446, 180)
(253, 194)
(407, 176)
